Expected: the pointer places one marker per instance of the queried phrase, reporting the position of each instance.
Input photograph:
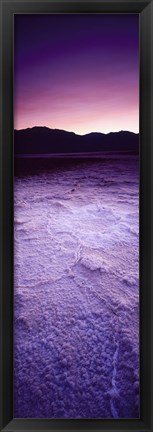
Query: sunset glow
(77, 72)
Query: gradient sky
(77, 72)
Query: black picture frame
(7, 10)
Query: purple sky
(77, 72)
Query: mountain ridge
(42, 140)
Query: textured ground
(77, 291)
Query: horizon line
(70, 131)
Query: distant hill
(41, 140)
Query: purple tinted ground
(76, 340)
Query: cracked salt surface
(76, 324)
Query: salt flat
(76, 290)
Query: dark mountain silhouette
(41, 140)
